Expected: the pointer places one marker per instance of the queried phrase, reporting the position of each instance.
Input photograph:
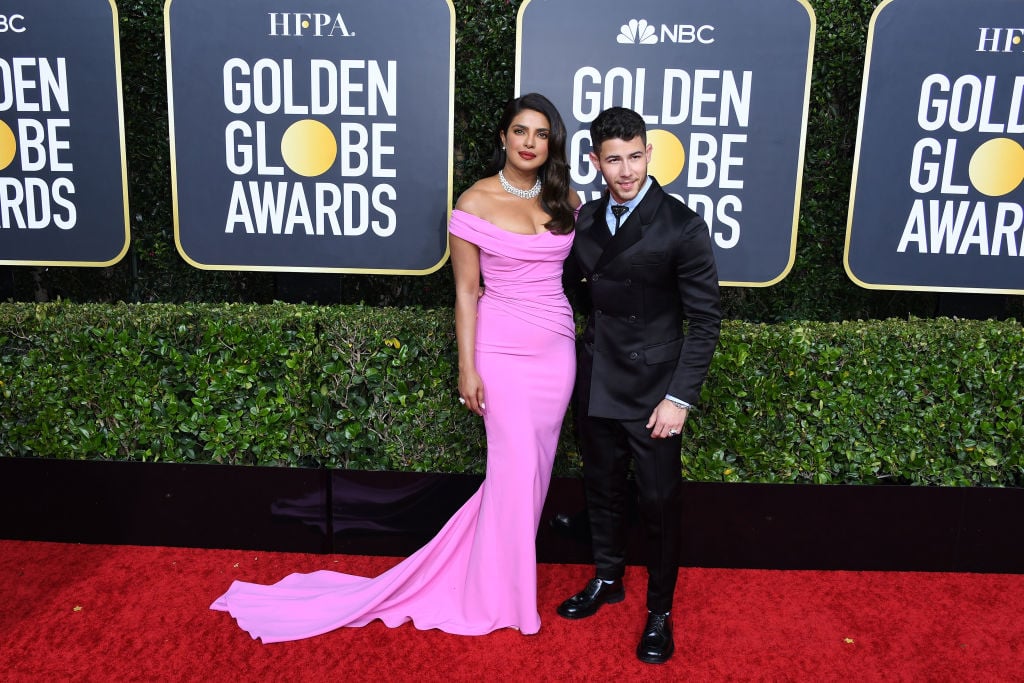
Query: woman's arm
(466, 266)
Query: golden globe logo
(35, 138)
(263, 145)
(302, 24)
(945, 218)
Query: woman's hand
(471, 391)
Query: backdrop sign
(311, 137)
(936, 194)
(723, 86)
(63, 176)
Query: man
(648, 267)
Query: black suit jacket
(655, 275)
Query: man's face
(623, 163)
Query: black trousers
(608, 447)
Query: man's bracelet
(679, 403)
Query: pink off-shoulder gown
(479, 573)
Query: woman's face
(526, 140)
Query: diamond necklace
(522, 194)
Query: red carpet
(105, 613)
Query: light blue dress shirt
(631, 204)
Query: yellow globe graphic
(8, 145)
(667, 156)
(997, 167)
(309, 148)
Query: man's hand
(667, 420)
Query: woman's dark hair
(554, 174)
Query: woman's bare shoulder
(477, 198)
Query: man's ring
(672, 432)
(462, 400)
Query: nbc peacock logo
(637, 32)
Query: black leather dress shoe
(656, 645)
(590, 599)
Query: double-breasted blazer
(653, 313)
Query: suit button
(632, 318)
(629, 283)
(595, 277)
(634, 355)
(599, 313)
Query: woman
(516, 342)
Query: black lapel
(599, 231)
(596, 232)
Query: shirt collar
(632, 203)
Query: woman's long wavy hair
(554, 174)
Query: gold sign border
(124, 168)
(306, 269)
(803, 137)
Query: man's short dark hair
(617, 123)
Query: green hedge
(920, 402)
